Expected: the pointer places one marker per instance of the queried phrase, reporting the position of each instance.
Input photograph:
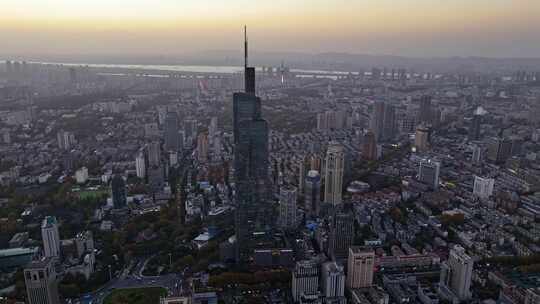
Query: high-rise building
(190, 129)
(118, 191)
(302, 170)
(173, 158)
(369, 146)
(321, 122)
(456, 273)
(154, 154)
(389, 126)
(287, 207)
(140, 164)
(499, 150)
(216, 148)
(202, 148)
(332, 280)
(333, 179)
(475, 127)
(429, 173)
(383, 121)
(172, 142)
(41, 282)
(51, 237)
(162, 114)
(421, 138)
(360, 267)
(212, 129)
(483, 187)
(425, 110)
(81, 175)
(251, 164)
(341, 234)
(477, 154)
(312, 194)
(305, 279)
(377, 120)
(181, 138)
(65, 140)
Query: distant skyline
(417, 28)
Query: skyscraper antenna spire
(245, 47)
(249, 72)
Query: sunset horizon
(413, 28)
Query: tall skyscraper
(140, 164)
(333, 180)
(312, 194)
(171, 132)
(202, 148)
(429, 173)
(51, 237)
(424, 115)
(499, 150)
(332, 280)
(118, 191)
(305, 279)
(212, 129)
(475, 127)
(216, 148)
(41, 282)
(389, 126)
(65, 140)
(477, 154)
(302, 170)
(383, 121)
(360, 267)
(321, 122)
(421, 138)
(456, 273)
(190, 130)
(341, 234)
(154, 154)
(369, 146)
(287, 207)
(377, 120)
(250, 165)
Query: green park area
(148, 295)
(90, 192)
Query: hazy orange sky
(171, 27)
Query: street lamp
(170, 261)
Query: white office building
(483, 187)
(81, 175)
(305, 279)
(456, 273)
(332, 280)
(140, 165)
(51, 237)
